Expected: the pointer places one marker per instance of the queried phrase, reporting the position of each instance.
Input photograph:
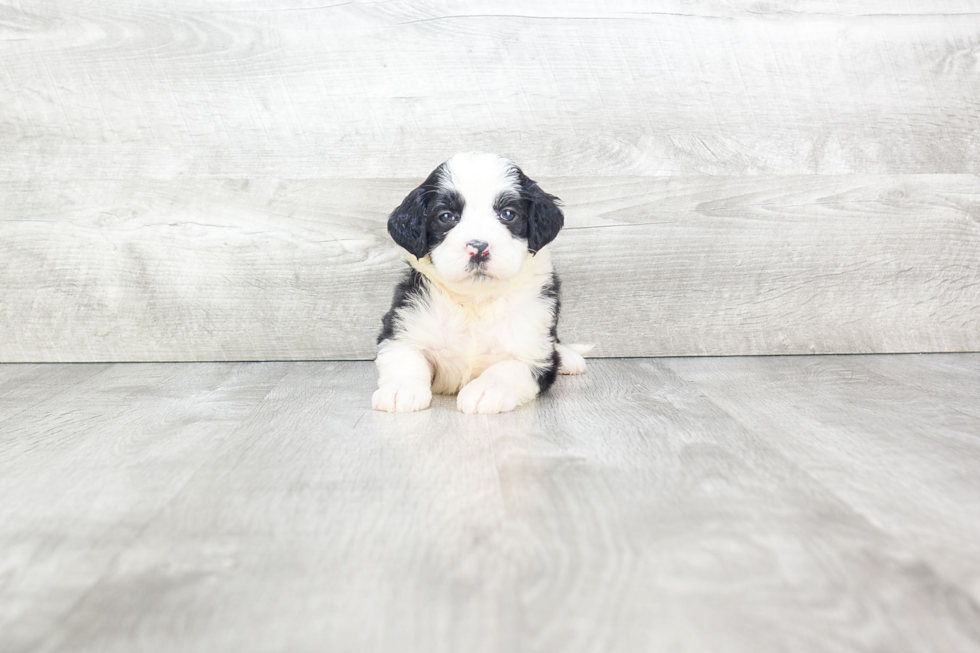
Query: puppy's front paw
(572, 362)
(486, 396)
(404, 397)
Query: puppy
(477, 312)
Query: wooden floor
(712, 504)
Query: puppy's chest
(477, 337)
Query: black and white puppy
(477, 313)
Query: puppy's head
(477, 217)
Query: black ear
(407, 223)
(544, 218)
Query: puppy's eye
(507, 215)
(447, 218)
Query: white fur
(572, 362)
(482, 337)
(404, 380)
(501, 387)
(463, 330)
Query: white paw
(571, 362)
(404, 397)
(486, 396)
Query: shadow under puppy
(477, 313)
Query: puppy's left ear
(544, 218)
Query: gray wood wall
(209, 179)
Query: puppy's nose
(477, 248)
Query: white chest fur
(463, 335)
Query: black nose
(479, 245)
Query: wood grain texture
(22, 387)
(306, 89)
(785, 504)
(302, 269)
(208, 180)
(84, 470)
(918, 429)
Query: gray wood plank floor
(734, 504)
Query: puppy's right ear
(407, 223)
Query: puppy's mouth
(477, 268)
(480, 275)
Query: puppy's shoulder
(411, 288)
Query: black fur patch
(546, 376)
(408, 224)
(442, 201)
(510, 199)
(413, 285)
(415, 224)
(543, 217)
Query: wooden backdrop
(209, 179)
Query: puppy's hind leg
(572, 361)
